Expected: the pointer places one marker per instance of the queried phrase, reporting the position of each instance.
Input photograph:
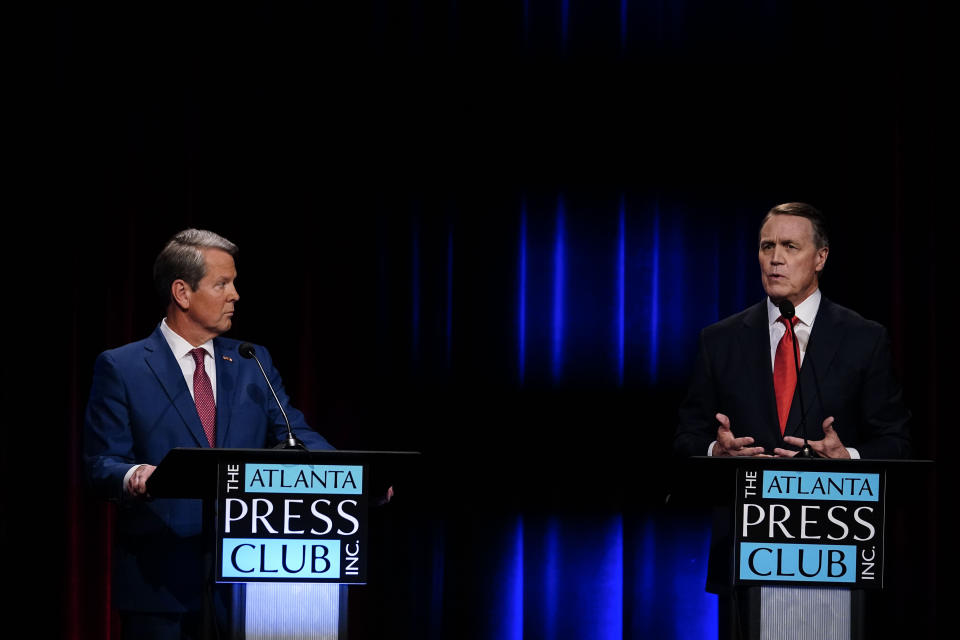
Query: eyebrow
(782, 241)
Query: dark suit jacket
(847, 373)
(139, 409)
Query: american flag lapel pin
(227, 358)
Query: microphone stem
(270, 386)
(806, 451)
(291, 441)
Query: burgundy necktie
(784, 372)
(203, 396)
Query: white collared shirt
(806, 315)
(181, 351)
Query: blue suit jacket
(139, 409)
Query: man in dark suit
(742, 400)
(183, 386)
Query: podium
(798, 544)
(284, 525)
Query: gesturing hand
(729, 445)
(829, 447)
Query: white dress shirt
(181, 351)
(806, 313)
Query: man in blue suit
(153, 395)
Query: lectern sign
(291, 523)
(810, 527)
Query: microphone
(247, 351)
(788, 311)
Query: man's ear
(822, 258)
(180, 293)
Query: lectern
(798, 542)
(275, 517)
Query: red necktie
(784, 372)
(203, 396)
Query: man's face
(789, 258)
(212, 304)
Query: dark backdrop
(489, 232)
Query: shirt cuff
(854, 454)
(710, 448)
(126, 478)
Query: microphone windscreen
(246, 350)
(786, 310)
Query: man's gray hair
(182, 259)
(802, 210)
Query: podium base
(791, 613)
(805, 613)
(278, 611)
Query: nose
(232, 294)
(777, 257)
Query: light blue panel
(821, 485)
(272, 558)
(798, 562)
(304, 478)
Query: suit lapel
(825, 340)
(225, 357)
(170, 376)
(758, 344)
